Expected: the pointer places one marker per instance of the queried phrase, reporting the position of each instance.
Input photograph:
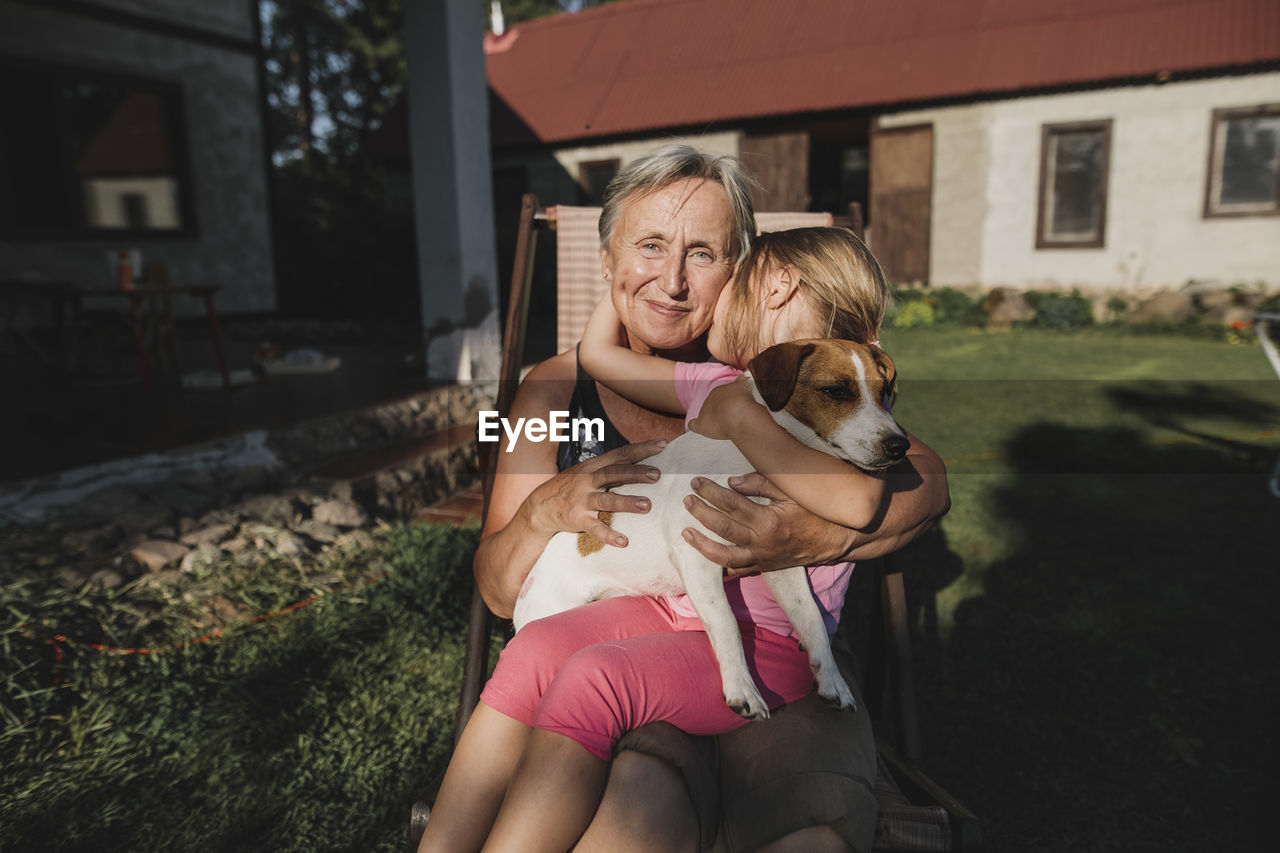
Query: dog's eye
(836, 392)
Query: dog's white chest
(574, 569)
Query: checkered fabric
(783, 220)
(580, 283)
(903, 826)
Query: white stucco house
(1169, 195)
(1123, 145)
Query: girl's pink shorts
(596, 672)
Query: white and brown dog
(831, 395)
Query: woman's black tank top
(585, 403)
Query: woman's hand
(766, 537)
(781, 533)
(572, 500)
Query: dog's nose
(895, 447)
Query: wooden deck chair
(915, 812)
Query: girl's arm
(824, 485)
(781, 533)
(647, 380)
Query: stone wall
(243, 500)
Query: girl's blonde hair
(840, 281)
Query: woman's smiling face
(670, 256)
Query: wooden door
(780, 162)
(901, 200)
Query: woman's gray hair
(677, 162)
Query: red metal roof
(644, 65)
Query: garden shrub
(1060, 310)
(954, 307)
(942, 306)
(917, 312)
(1270, 305)
(1116, 306)
(903, 295)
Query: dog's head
(833, 393)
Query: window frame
(1213, 167)
(1047, 132)
(174, 96)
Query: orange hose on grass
(58, 640)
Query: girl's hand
(572, 500)
(723, 410)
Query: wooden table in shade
(151, 305)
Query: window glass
(84, 152)
(1077, 172)
(855, 163)
(1073, 193)
(1246, 165)
(593, 177)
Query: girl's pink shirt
(749, 596)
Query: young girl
(567, 687)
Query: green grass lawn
(1091, 627)
(1093, 616)
(314, 730)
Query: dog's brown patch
(827, 391)
(588, 544)
(775, 372)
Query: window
(593, 177)
(839, 154)
(1244, 162)
(84, 153)
(1074, 163)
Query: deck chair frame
(888, 685)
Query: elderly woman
(674, 226)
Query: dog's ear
(883, 363)
(775, 371)
(887, 371)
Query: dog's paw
(835, 692)
(745, 701)
(751, 709)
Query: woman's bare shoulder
(549, 383)
(562, 367)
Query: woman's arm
(781, 533)
(532, 501)
(824, 485)
(648, 380)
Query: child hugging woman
(567, 687)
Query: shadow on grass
(1171, 405)
(1113, 688)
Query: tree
(333, 69)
